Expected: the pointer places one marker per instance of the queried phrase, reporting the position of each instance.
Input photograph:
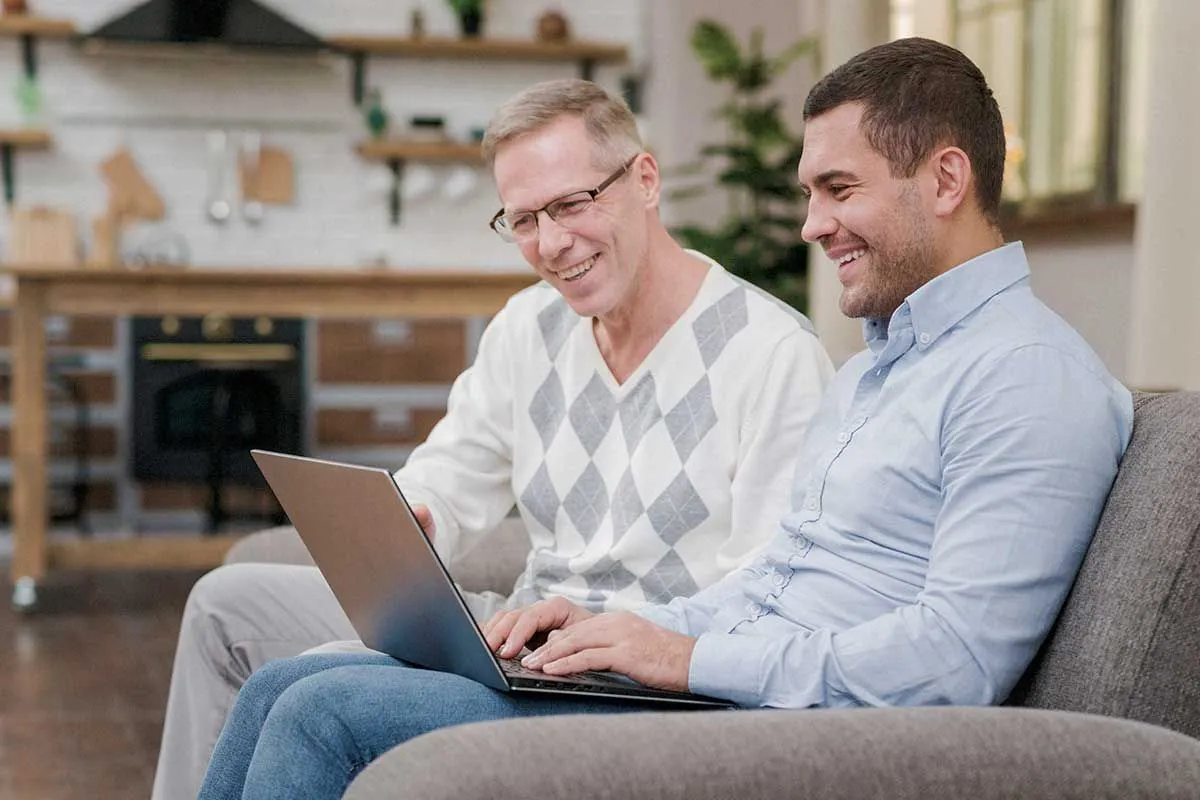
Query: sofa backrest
(1127, 642)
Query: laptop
(395, 589)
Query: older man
(641, 408)
(942, 504)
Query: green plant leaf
(716, 49)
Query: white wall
(163, 109)
(1086, 276)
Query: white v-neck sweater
(631, 493)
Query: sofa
(1110, 708)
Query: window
(1070, 77)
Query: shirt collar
(946, 300)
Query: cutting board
(130, 194)
(273, 182)
(43, 237)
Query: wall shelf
(29, 28)
(395, 152)
(586, 54)
(10, 140)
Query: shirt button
(843, 437)
(811, 505)
(777, 579)
(923, 338)
(753, 609)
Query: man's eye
(838, 190)
(567, 208)
(521, 223)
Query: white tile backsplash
(163, 108)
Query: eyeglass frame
(591, 193)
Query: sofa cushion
(1127, 642)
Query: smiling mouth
(578, 271)
(851, 256)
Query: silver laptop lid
(364, 538)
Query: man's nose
(552, 237)
(817, 223)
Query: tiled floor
(83, 684)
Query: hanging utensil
(250, 163)
(218, 206)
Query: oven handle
(214, 353)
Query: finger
(538, 617)
(424, 519)
(592, 658)
(588, 634)
(499, 627)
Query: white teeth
(851, 256)
(577, 271)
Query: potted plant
(760, 237)
(470, 15)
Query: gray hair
(610, 123)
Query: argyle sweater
(635, 492)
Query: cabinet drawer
(97, 388)
(390, 351)
(94, 332)
(339, 427)
(101, 442)
(190, 497)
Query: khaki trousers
(237, 618)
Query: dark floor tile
(83, 684)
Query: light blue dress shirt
(944, 499)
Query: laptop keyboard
(599, 681)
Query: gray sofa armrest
(867, 754)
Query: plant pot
(470, 23)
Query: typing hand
(619, 642)
(508, 631)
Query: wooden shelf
(410, 150)
(32, 25)
(12, 139)
(481, 49)
(396, 152)
(30, 138)
(586, 54)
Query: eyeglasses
(522, 226)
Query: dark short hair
(918, 95)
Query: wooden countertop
(354, 292)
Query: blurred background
(322, 139)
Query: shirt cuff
(727, 666)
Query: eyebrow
(828, 177)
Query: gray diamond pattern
(556, 321)
(692, 418)
(540, 498)
(677, 510)
(719, 322)
(639, 411)
(548, 408)
(592, 414)
(626, 506)
(587, 502)
(667, 579)
(551, 569)
(608, 575)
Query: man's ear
(645, 170)
(952, 172)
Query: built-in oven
(208, 389)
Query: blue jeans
(304, 727)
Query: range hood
(232, 23)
